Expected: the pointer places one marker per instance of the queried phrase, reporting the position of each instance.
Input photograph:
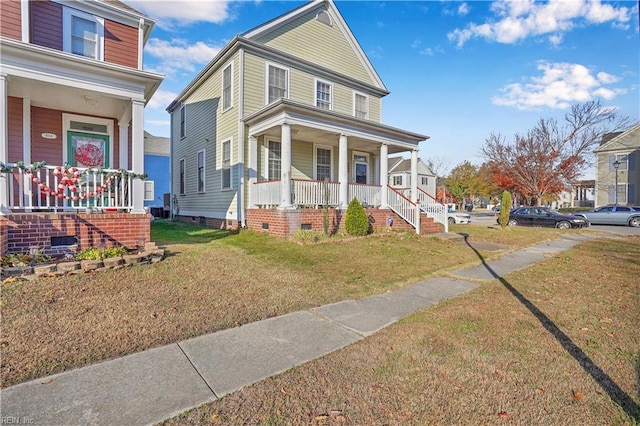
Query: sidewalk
(157, 384)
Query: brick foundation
(209, 222)
(22, 231)
(283, 223)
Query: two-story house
(287, 119)
(618, 163)
(400, 175)
(72, 96)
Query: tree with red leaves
(550, 156)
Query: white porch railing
(265, 194)
(368, 195)
(42, 187)
(314, 193)
(404, 208)
(430, 206)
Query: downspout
(171, 206)
(241, 186)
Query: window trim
(228, 169)
(266, 81)
(204, 171)
(355, 154)
(317, 81)
(149, 187)
(395, 183)
(183, 121)
(67, 19)
(230, 68)
(623, 159)
(267, 156)
(366, 98)
(315, 160)
(182, 176)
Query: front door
(87, 150)
(361, 168)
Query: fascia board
(107, 11)
(36, 62)
(281, 20)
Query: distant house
(400, 175)
(285, 119)
(618, 159)
(157, 166)
(72, 95)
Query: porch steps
(428, 225)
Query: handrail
(404, 208)
(434, 209)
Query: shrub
(505, 208)
(95, 253)
(356, 222)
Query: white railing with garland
(42, 187)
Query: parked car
(613, 215)
(542, 216)
(458, 217)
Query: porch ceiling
(68, 99)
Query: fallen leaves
(577, 396)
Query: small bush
(307, 236)
(23, 259)
(505, 209)
(356, 222)
(95, 253)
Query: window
(226, 164)
(183, 121)
(182, 176)
(360, 106)
(201, 171)
(149, 190)
(397, 180)
(277, 83)
(425, 180)
(274, 160)
(623, 159)
(227, 100)
(83, 34)
(323, 163)
(622, 196)
(323, 95)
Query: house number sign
(49, 135)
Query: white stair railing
(434, 209)
(404, 208)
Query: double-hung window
(277, 83)
(274, 155)
(226, 164)
(182, 176)
(323, 95)
(227, 95)
(201, 171)
(183, 121)
(323, 163)
(623, 162)
(397, 180)
(360, 106)
(83, 34)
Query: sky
(457, 70)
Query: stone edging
(82, 266)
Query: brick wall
(209, 222)
(283, 223)
(4, 239)
(111, 229)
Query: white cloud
(177, 54)
(161, 99)
(560, 85)
(428, 51)
(519, 19)
(463, 9)
(170, 14)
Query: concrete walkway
(157, 384)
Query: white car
(458, 217)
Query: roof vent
(323, 16)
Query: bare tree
(439, 166)
(551, 155)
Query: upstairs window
(83, 34)
(183, 120)
(277, 83)
(323, 95)
(227, 100)
(622, 159)
(397, 180)
(361, 106)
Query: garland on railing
(69, 179)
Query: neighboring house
(72, 96)
(618, 159)
(157, 166)
(287, 115)
(580, 194)
(400, 175)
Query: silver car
(613, 215)
(458, 217)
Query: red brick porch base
(21, 231)
(283, 223)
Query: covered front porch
(301, 157)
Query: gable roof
(628, 140)
(403, 165)
(279, 22)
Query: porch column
(343, 171)
(26, 150)
(137, 154)
(253, 168)
(4, 144)
(123, 145)
(414, 176)
(285, 163)
(384, 175)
